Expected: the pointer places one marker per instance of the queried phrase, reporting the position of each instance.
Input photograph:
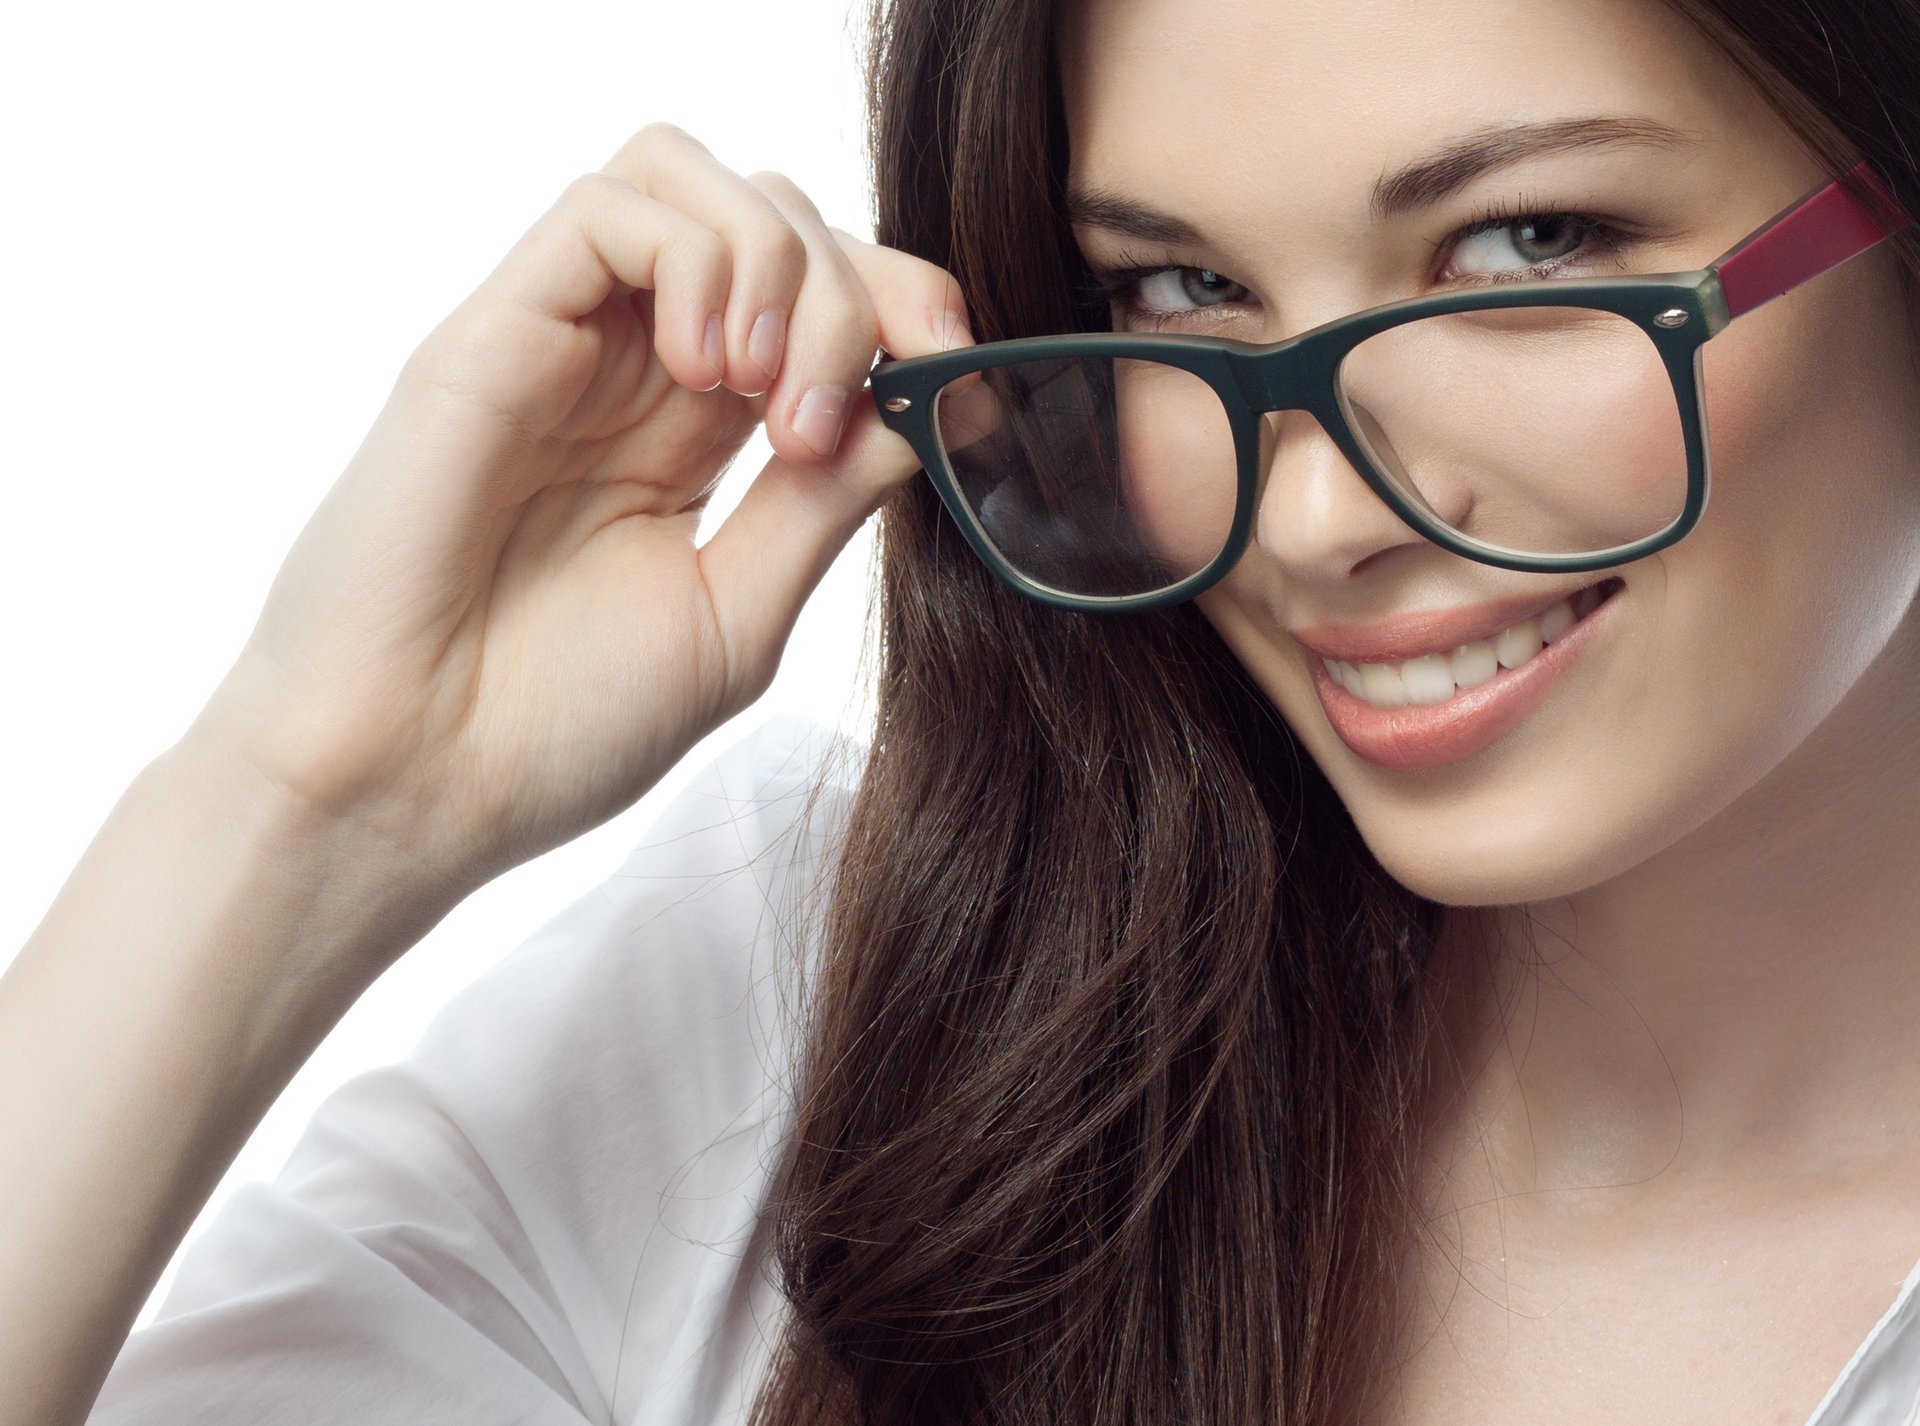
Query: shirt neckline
(1882, 1376)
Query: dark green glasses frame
(1678, 311)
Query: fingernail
(714, 347)
(950, 330)
(819, 416)
(764, 342)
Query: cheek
(1177, 468)
(1808, 554)
(1548, 429)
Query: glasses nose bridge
(1280, 378)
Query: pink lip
(1430, 631)
(1421, 737)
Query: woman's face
(1264, 127)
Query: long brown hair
(1106, 1109)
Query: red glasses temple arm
(1820, 232)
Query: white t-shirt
(549, 1212)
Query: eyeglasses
(1542, 425)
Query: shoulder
(661, 1005)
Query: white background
(225, 228)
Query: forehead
(1196, 101)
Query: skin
(1671, 1175)
(1719, 799)
(510, 552)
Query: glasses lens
(1093, 475)
(1539, 430)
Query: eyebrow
(1416, 185)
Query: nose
(1315, 516)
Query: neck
(1757, 984)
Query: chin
(1517, 864)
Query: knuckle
(591, 189)
(785, 191)
(661, 136)
(852, 327)
(460, 360)
(699, 247)
(694, 248)
(786, 249)
(771, 181)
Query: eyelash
(1120, 284)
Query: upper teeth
(1433, 678)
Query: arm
(550, 1210)
(206, 942)
(495, 632)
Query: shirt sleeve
(549, 1209)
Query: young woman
(1370, 898)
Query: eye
(1506, 244)
(1537, 241)
(1157, 293)
(1173, 289)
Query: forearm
(203, 946)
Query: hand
(496, 631)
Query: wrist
(334, 896)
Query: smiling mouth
(1438, 677)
